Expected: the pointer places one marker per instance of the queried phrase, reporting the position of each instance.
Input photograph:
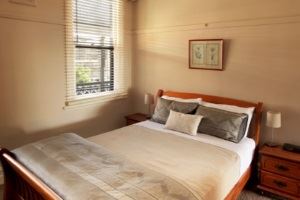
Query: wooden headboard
(254, 131)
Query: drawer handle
(280, 184)
(282, 168)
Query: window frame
(111, 67)
(75, 100)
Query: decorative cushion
(187, 108)
(163, 107)
(184, 123)
(162, 110)
(223, 124)
(249, 111)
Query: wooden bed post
(8, 185)
(20, 183)
(257, 127)
(158, 94)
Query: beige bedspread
(210, 172)
(81, 170)
(132, 163)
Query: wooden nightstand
(279, 172)
(135, 118)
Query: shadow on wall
(108, 118)
(226, 52)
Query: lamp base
(272, 144)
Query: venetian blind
(95, 50)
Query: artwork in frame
(206, 54)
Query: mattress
(207, 166)
(245, 148)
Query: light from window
(93, 34)
(94, 48)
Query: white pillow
(184, 123)
(248, 111)
(196, 100)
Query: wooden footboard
(20, 183)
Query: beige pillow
(183, 122)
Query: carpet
(250, 195)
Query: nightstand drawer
(280, 166)
(278, 182)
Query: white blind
(95, 50)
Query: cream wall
(32, 80)
(262, 63)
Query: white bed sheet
(245, 148)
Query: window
(94, 50)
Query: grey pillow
(163, 107)
(223, 124)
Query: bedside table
(135, 118)
(279, 172)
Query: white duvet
(209, 168)
(245, 148)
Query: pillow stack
(192, 116)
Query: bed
(147, 155)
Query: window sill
(91, 101)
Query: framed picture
(206, 54)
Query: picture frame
(206, 54)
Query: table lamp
(273, 121)
(148, 100)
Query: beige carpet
(249, 195)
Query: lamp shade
(273, 119)
(148, 100)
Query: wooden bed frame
(21, 184)
(254, 131)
